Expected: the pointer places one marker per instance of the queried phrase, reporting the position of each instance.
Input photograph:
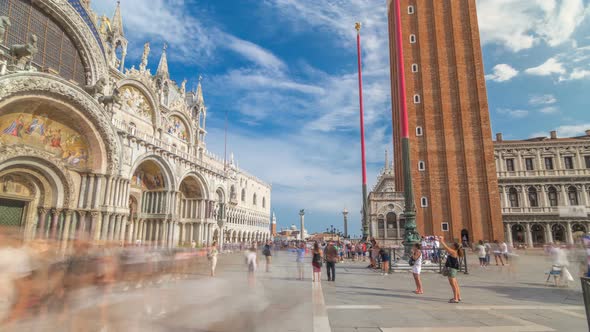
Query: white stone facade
(537, 179)
(94, 150)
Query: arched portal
(465, 240)
(391, 230)
(518, 234)
(538, 233)
(150, 182)
(558, 232)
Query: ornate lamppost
(345, 215)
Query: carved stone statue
(97, 88)
(109, 102)
(4, 23)
(144, 57)
(22, 55)
(183, 87)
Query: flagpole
(362, 120)
(411, 235)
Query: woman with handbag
(416, 263)
(316, 262)
(452, 267)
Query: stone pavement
(512, 298)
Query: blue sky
(285, 71)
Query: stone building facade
(452, 154)
(544, 185)
(90, 148)
(386, 208)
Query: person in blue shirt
(300, 258)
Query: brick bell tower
(451, 156)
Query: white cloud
(572, 130)
(513, 113)
(502, 73)
(549, 110)
(578, 74)
(520, 25)
(190, 41)
(549, 67)
(547, 99)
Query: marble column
(104, 227)
(42, 221)
(529, 235)
(96, 225)
(157, 233)
(66, 228)
(82, 225)
(112, 227)
(549, 234)
(569, 233)
(55, 213)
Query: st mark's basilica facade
(92, 148)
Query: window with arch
(513, 198)
(533, 197)
(232, 192)
(419, 131)
(421, 166)
(411, 10)
(412, 38)
(424, 202)
(414, 68)
(263, 202)
(416, 99)
(254, 199)
(243, 195)
(552, 195)
(572, 195)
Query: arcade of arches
(535, 234)
(90, 149)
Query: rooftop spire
(200, 99)
(386, 159)
(163, 65)
(117, 21)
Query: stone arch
(518, 233)
(168, 174)
(53, 91)
(187, 123)
(46, 167)
(538, 234)
(558, 233)
(82, 34)
(150, 96)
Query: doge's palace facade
(90, 149)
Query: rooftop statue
(4, 23)
(22, 55)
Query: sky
(285, 73)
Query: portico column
(82, 228)
(55, 213)
(111, 233)
(66, 227)
(569, 233)
(529, 235)
(157, 232)
(130, 235)
(565, 200)
(509, 235)
(42, 221)
(96, 225)
(549, 235)
(104, 229)
(191, 233)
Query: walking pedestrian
(252, 263)
(300, 257)
(316, 262)
(212, 255)
(498, 253)
(417, 267)
(488, 251)
(481, 253)
(452, 267)
(267, 254)
(331, 255)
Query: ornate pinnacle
(357, 26)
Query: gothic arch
(187, 123)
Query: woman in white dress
(417, 267)
(213, 252)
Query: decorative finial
(165, 46)
(357, 26)
(200, 78)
